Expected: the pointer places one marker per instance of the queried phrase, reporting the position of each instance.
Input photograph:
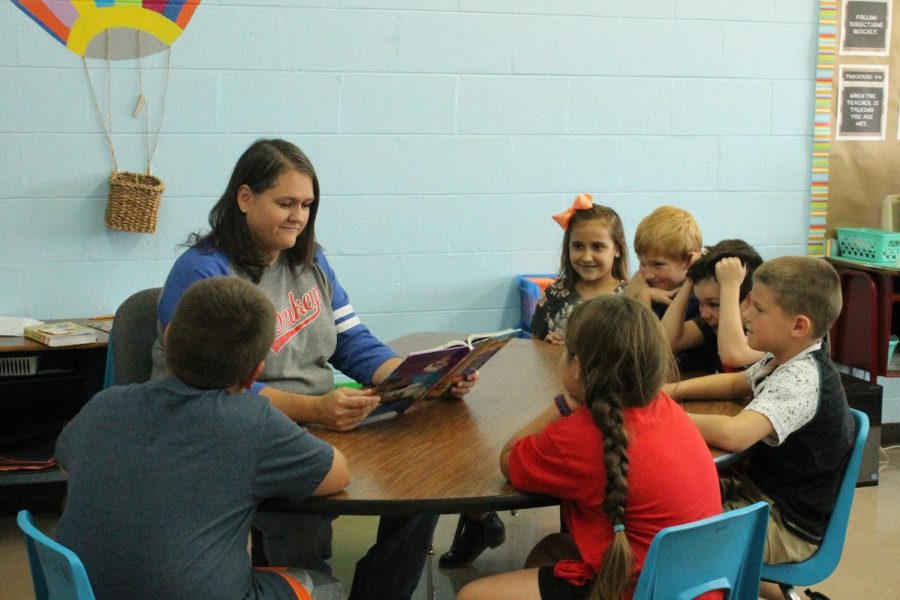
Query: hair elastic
(619, 527)
(562, 406)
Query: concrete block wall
(445, 134)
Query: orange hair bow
(582, 202)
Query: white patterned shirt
(786, 394)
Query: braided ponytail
(625, 359)
(616, 568)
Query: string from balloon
(108, 127)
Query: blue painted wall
(445, 133)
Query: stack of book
(65, 333)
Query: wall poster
(856, 138)
(861, 101)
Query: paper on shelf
(15, 326)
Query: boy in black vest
(798, 418)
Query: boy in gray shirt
(165, 477)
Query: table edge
(347, 506)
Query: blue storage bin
(531, 288)
(874, 246)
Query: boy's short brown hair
(803, 285)
(222, 328)
(668, 231)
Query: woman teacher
(263, 230)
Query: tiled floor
(870, 567)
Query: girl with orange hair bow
(594, 261)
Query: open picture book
(429, 374)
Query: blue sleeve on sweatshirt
(192, 266)
(358, 353)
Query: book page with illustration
(431, 373)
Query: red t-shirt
(671, 479)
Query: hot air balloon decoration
(76, 23)
(131, 29)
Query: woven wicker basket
(133, 203)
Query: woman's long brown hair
(259, 168)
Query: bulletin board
(856, 146)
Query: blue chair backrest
(821, 564)
(56, 571)
(723, 552)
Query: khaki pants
(781, 545)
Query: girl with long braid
(622, 456)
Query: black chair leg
(789, 592)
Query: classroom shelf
(35, 407)
(24, 478)
(871, 314)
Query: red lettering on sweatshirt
(299, 313)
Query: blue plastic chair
(723, 552)
(56, 571)
(529, 295)
(821, 564)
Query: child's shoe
(471, 539)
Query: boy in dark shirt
(720, 280)
(165, 477)
(665, 242)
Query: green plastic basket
(874, 246)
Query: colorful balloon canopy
(75, 23)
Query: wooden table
(442, 456)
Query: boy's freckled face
(707, 292)
(768, 326)
(663, 272)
